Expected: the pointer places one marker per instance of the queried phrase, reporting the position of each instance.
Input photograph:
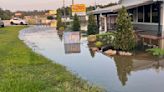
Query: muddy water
(116, 74)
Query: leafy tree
(107, 5)
(5, 14)
(92, 26)
(76, 23)
(50, 17)
(91, 8)
(67, 11)
(125, 39)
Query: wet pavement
(115, 74)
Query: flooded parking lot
(116, 74)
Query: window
(155, 13)
(15, 19)
(147, 13)
(140, 14)
(131, 14)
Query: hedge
(106, 38)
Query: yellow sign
(79, 8)
(53, 24)
(52, 12)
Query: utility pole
(64, 8)
(95, 4)
(71, 7)
(64, 11)
(72, 2)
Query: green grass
(22, 70)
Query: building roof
(122, 3)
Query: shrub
(50, 17)
(106, 38)
(156, 51)
(92, 26)
(61, 29)
(125, 39)
(92, 38)
(98, 44)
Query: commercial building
(147, 18)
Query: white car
(1, 23)
(18, 21)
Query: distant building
(18, 14)
(37, 20)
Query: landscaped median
(22, 70)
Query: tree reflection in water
(60, 34)
(92, 53)
(124, 67)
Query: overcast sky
(44, 4)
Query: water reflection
(92, 53)
(72, 48)
(140, 73)
(60, 34)
(124, 67)
(71, 41)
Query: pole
(71, 7)
(72, 2)
(159, 18)
(95, 4)
(64, 7)
(64, 11)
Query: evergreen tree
(92, 26)
(125, 39)
(76, 23)
(59, 20)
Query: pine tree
(125, 39)
(59, 20)
(76, 23)
(92, 26)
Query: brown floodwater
(140, 73)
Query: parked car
(18, 21)
(1, 23)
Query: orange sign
(79, 8)
(18, 14)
